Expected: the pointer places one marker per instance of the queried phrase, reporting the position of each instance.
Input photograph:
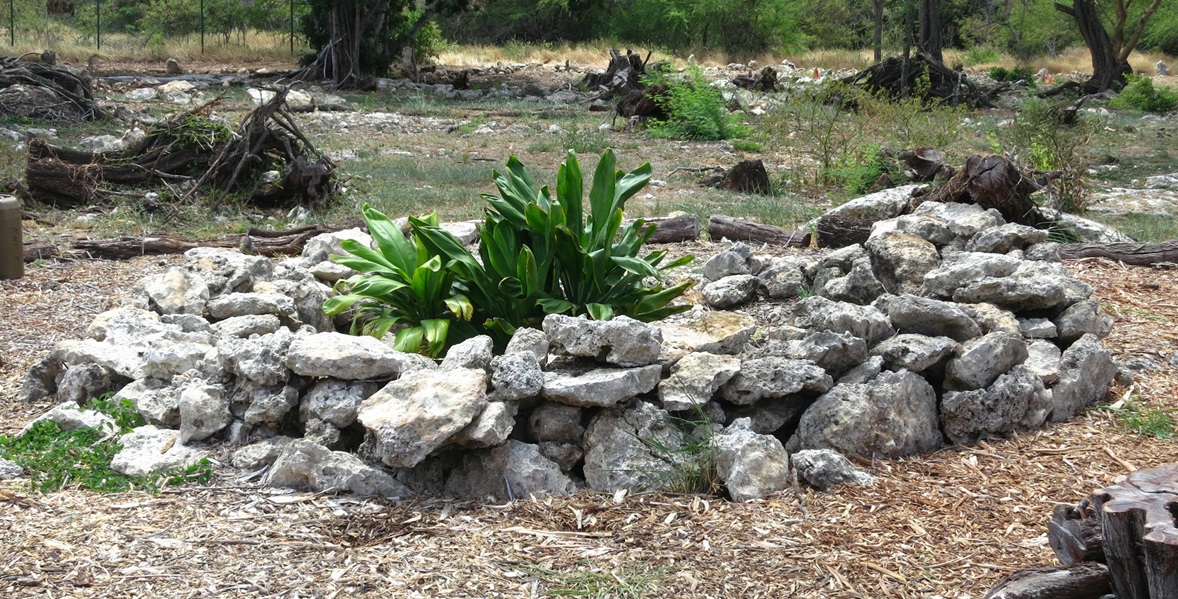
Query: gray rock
(751, 465)
(981, 360)
(764, 378)
(600, 387)
(176, 291)
(1048, 251)
(731, 291)
(1091, 231)
(783, 278)
(620, 341)
(148, 450)
(330, 272)
(900, 261)
(927, 227)
(925, 316)
(306, 465)
(135, 344)
(895, 415)
(1081, 318)
(245, 304)
(472, 353)
(864, 322)
(491, 427)
(824, 468)
(619, 448)
(267, 406)
(40, 381)
(411, 417)
(528, 339)
(1086, 371)
(308, 297)
(335, 401)
(81, 382)
(694, 379)
(1037, 328)
(517, 376)
(244, 326)
(514, 470)
(259, 454)
(260, 359)
(964, 220)
(834, 352)
(1015, 401)
(859, 286)
(914, 352)
(1003, 239)
(188, 323)
(165, 361)
(705, 331)
(551, 421)
(204, 411)
(10, 470)
(70, 417)
(736, 260)
(864, 372)
(566, 455)
(842, 258)
(321, 432)
(156, 401)
(881, 205)
(227, 271)
(768, 415)
(966, 268)
(1032, 286)
(1043, 360)
(340, 356)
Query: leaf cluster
(1141, 94)
(696, 110)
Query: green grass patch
(1144, 421)
(1145, 228)
(57, 459)
(1141, 94)
(589, 581)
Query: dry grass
(259, 47)
(948, 524)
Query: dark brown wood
(1074, 534)
(993, 182)
(748, 176)
(739, 229)
(265, 243)
(1109, 71)
(1140, 539)
(674, 229)
(1137, 254)
(1082, 581)
(622, 75)
(839, 231)
(899, 76)
(39, 250)
(56, 92)
(763, 81)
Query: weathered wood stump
(1081, 581)
(1130, 526)
(993, 182)
(739, 229)
(1138, 254)
(839, 231)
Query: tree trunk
(673, 229)
(877, 32)
(1108, 70)
(930, 29)
(1082, 581)
(1140, 538)
(739, 229)
(1137, 254)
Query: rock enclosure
(947, 326)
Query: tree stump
(993, 182)
(748, 176)
(1137, 521)
(839, 231)
(1081, 581)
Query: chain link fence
(138, 25)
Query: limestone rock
(1081, 318)
(517, 376)
(881, 205)
(81, 382)
(1000, 240)
(513, 470)
(774, 377)
(148, 450)
(858, 287)
(1086, 371)
(925, 316)
(70, 417)
(751, 465)
(411, 417)
(731, 291)
(335, 401)
(981, 360)
(619, 451)
(914, 352)
(259, 454)
(1032, 286)
(10, 470)
(472, 353)
(1015, 401)
(551, 421)
(864, 322)
(695, 378)
(491, 427)
(204, 411)
(705, 331)
(600, 387)
(900, 261)
(1043, 360)
(227, 271)
(306, 465)
(621, 341)
(895, 415)
(246, 304)
(340, 356)
(245, 326)
(176, 291)
(966, 268)
(528, 339)
(260, 359)
(824, 468)
(156, 401)
(736, 260)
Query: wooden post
(12, 258)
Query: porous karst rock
(751, 465)
(158, 402)
(712, 331)
(529, 339)
(621, 341)
(694, 379)
(894, 415)
(731, 291)
(864, 372)
(917, 353)
(991, 318)
(927, 316)
(308, 297)
(322, 433)
(266, 406)
(1081, 318)
(552, 421)
(981, 360)
(260, 453)
(204, 411)
(1037, 328)
(766, 416)
(600, 387)
(859, 286)
(80, 382)
(514, 470)
(261, 359)
(306, 465)
(148, 450)
(1032, 286)
(1086, 371)
(825, 468)
(471, 353)
(227, 271)
(738, 259)
(517, 376)
(1043, 360)
(620, 448)
(1015, 401)
(964, 220)
(864, 322)
(246, 326)
(246, 304)
(335, 401)
(877, 206)
(176, 291)
(965, 268)
(932, 229)
(900, 261)
(771, 377)
(1005, 238)
(411, 417)
(834, 352)
(69, 416)
(323, 246)
(491, 427)
(10, 470)
(348, 357)
(784, 278)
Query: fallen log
(673, 229)
(46, 91)
(839, 231)
(1136, 254)
(1081, 581)
(739, 229)
(39, 250)
(255, 241)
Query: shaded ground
(947, 524)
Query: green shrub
(1043, 138)
(1140, 94)
(542, 254)
(402, 285)
(696, 110)
(1014, 75)
(979, 55)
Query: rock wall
(947, 326)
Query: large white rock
(306, 465)
(341, 356)
(176, 291)
(148, 450)
(695, 378)
(204, 411)
(600, 387)
(513, 470)
(751, 465)
(620, 341)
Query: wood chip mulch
(948, 524)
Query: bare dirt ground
(947, 524)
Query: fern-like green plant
(401, 284)
(542, 254)
(696, 110)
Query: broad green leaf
(460, 306)
(409, 339)
(388, 236)
(570, 192)
(340, 303)
(636, 266)
(555, 306)
(370, 257)
(601, 195)
(599, 311)
(436, 330)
